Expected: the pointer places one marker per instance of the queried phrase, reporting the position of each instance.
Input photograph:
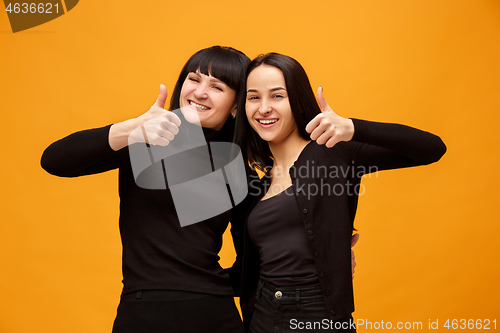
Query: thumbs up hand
(158, 107)
(157, 126)
(327, 127)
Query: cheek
(187, 87)
(184, 91)
(228, 102)
(291, 124)
(222, 106)
(248, 111)
(250, 108)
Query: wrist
(349, 134)
(119, 133)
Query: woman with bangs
(172, 280)
(297, 254)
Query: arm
(391, 146)
(98, 150)
(82, 153)
(235, 270)
(375, 145)
(238, 216)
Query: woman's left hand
(329, 128)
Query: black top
(276, 229)
(325, 182)
(157, 252)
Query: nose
(265, 108)
(201, 92)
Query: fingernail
(321, 87)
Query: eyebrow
(213, 79)
(217, 80)
(273, 89)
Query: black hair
(302, 102)
(223, 62)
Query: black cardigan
(325, 182)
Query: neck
(225, 133)
(286, 152)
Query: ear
(233, 111)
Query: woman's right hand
(328, 128)
(157, 126)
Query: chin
(267, 138)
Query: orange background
(429, 235)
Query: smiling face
(208, 99)
(267, 105)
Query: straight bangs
(221, 64)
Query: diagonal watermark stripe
(205, 179)
(28, 14)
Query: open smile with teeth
(198, 106)
(267, 121)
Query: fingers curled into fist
(328, 128)
(157, 126)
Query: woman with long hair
(296, 266)
(172, 280)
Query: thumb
(354, 239)
(322, 101)
(162, 97)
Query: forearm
(119, 133)
(407, 141)
(80, 153)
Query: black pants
(164, 311)
(284, 310)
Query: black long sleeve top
(157, 252)
(326, 183)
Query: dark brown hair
(302, 102)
